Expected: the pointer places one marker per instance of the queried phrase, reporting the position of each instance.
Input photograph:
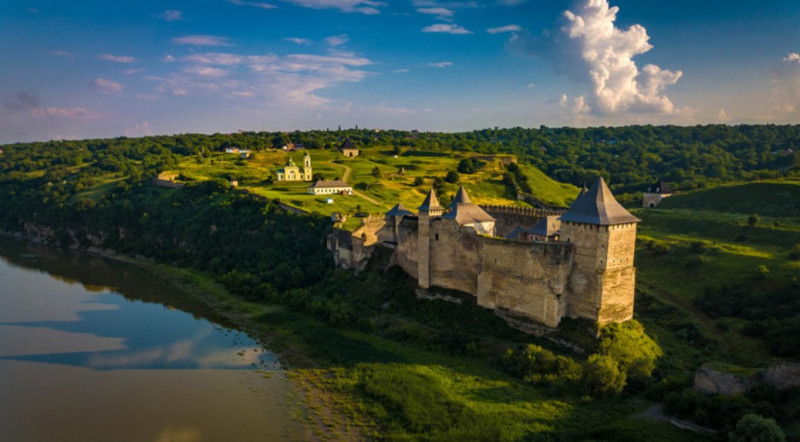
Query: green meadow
(380, 178)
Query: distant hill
(771, 198)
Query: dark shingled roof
(464, 212)
(347, 144)
(460, 198)
(430, 203)
(399, 210)
(659, 187)
(545, 227)
(598, 206)
(514, 234)
(330, 184)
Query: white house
(330, 188)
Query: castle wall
(509, 217)
(406, 252)
(528, 280)
(455, 258)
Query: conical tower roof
(347, 144)
(430, 203)
(460, 198)
(399, 210)
(598, 206)
(464, 211)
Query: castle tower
(465, 213)
(395, 215)
(603, 279)
(656, 193)
(430, 208)
(307, 167)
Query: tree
(628, 345)
(753, 220)
(754, 428)
(376, 172)
(452, 177)
(602, 376)
(418, 181)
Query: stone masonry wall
(527, 280)
(509, 217)
(455, 259)
(601, 286)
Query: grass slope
(703, 241)
(374, 194)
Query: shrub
(752, 427)
(602, 376)
(418, 181)
(628, 345)
(452, 177)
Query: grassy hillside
(773, 198)
(372, 193)
(719, 270)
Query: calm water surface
(96, 350)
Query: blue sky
(105, 68)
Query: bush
(602, 376)
(628, 345)
(752, 427)
(753, 220)
(418, 181)
(452, 177)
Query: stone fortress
(532, 267)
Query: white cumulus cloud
(507, 28)
(441, 64)
(117, 58)
(337, 40)
(619, 85)
(201, 40)
(590, 48)
(446, 29)
(171, 15)
(106, 86)
(440, 13)
(71, 113)
(786, 78)
(368, 7)
(260, 5)
(299, 41)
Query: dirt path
(347, 171)
(346, 175)
(372, 200)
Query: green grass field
(372, 194)
(703, 240)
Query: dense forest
(630, 158)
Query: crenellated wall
(589, 273)
(509, 217)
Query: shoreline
(318, 406)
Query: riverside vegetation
(414, 369)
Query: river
(93, 349)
